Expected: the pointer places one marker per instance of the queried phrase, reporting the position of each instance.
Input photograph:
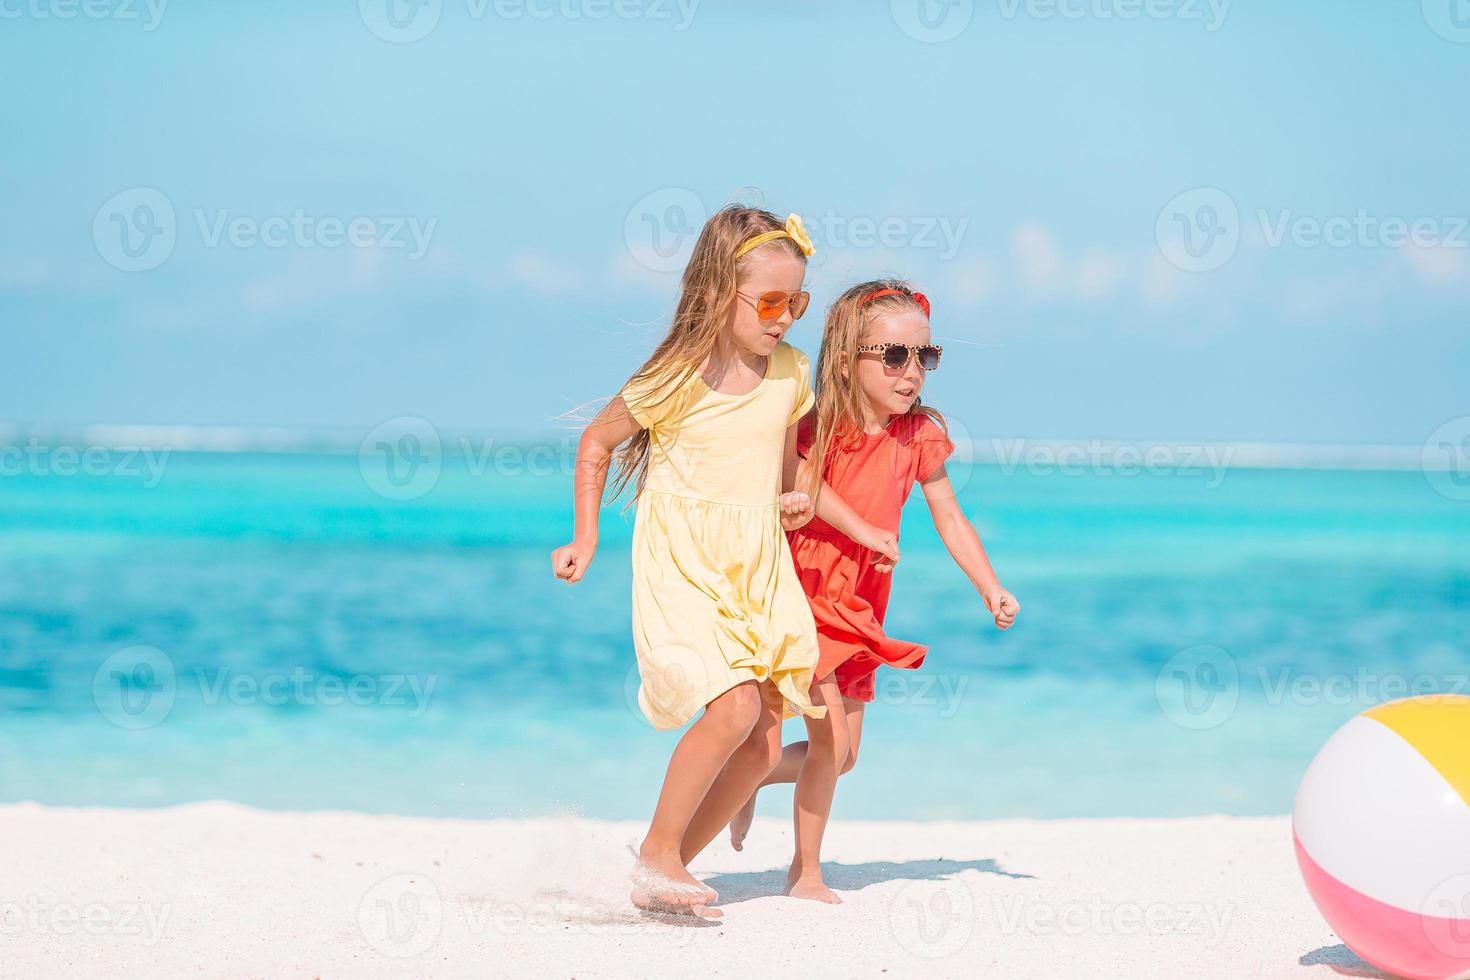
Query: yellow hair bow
(794, 230)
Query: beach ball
(1382, 833)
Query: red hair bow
(917, 297)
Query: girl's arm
(796, 508)
(607, 431)
(965, 548)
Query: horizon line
(998, 450)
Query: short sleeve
(932, 446)
(806, 434)
(805, 399)
(650, 400)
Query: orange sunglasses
(769, 306)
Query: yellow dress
(716, 598)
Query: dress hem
(790, 708)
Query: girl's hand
(1003, 606)
(570, 561)
(883, 544)
(796, 509)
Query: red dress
(848, 596)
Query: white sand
(220, 890)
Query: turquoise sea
(277, 629)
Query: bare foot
(662, 884)
(661, 905)
(810, 887)
(740, 824)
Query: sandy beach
(222, 890)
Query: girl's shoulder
(928, 441)
(789, 359)
(918, 427)
(660, 396)
(790, 366)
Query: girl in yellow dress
(721, 626)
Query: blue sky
(505, 174)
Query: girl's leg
(854, 731)
(746, 767)
(786, 770)
(828, 743)
(664, 883)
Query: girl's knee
(830, 746)
(850, 761)
(734, 713)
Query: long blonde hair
(706, 304)
(839, 424)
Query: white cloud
(1038, 261)
(542, 274)
(972, 279)
(1439, 265)
(626, 272)
(1099, 275)
(1041, 269)
(309, 278)
(29, 273)
(1162, 282)
(313, 277)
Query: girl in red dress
(877, 441)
